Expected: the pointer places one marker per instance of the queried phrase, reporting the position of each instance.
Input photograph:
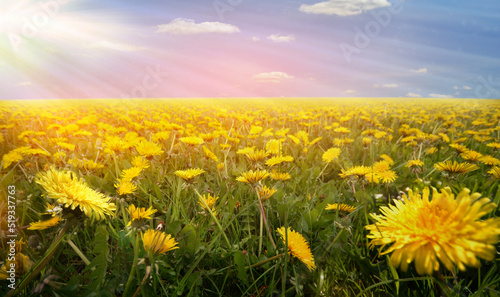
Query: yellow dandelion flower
(471, 156)
(414, 163)
(73, 192)
(280, 176)
(192, 140)
(189, 174)
(388, 159)
(342, 141)
(314, 141)
(245, 150)
(157, 242)
(341, 206)
(68, 146)
(408, 139)
(445, 230)
(131, 173)
(278, 160)
(297, 246)
(366, 141)
(331, 154)
(209, 201)
(210, 154)
(489, 160)
(42, 225)
(59, 155)
(444, 137)
(455, 167)
(458, 140)
(160, 135)
(140, 213)
(431, 150)
(342, 130)
(387, 176)
(34, 152)
(257, 155)
(381, 166)
(294, 139)
(11, 157)
(209, 136)
(255, 130)
(459, 147)
(140, 162)
(221, 166)
(494, 145)
(22, 264)
(282, 132)
(91, 165)
(356, 171)
(148, 149)
(266, 193)
(252, 177)
(267, 133)
(495, 171)
(482, 138)
(125, 187)
(380, 134)
(273, 146)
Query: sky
(249, 48)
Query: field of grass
(193, 197)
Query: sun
(23, 21)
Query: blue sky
(243, 48)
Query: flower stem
(213, 217)
(265, 261)
(265, 219)
(78, 252)
(333, 242)
(442, 285)
(134, 265)
(322, 171)
(148, 271)
(260, 232)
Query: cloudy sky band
(394, 48)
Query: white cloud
(414, 95)
(274, 77)
(24, 84)
(420, 70)
(123, 47)
(385, 86)
(343, 7)
(281, 38)
(461, 88)
(255, 38)
(187, 27)
(350, 91)
(433, 95)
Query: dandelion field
(275, 197)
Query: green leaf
(191, 241)
(394, 274)
(173, 228)
(239, 260)
(99, 265)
